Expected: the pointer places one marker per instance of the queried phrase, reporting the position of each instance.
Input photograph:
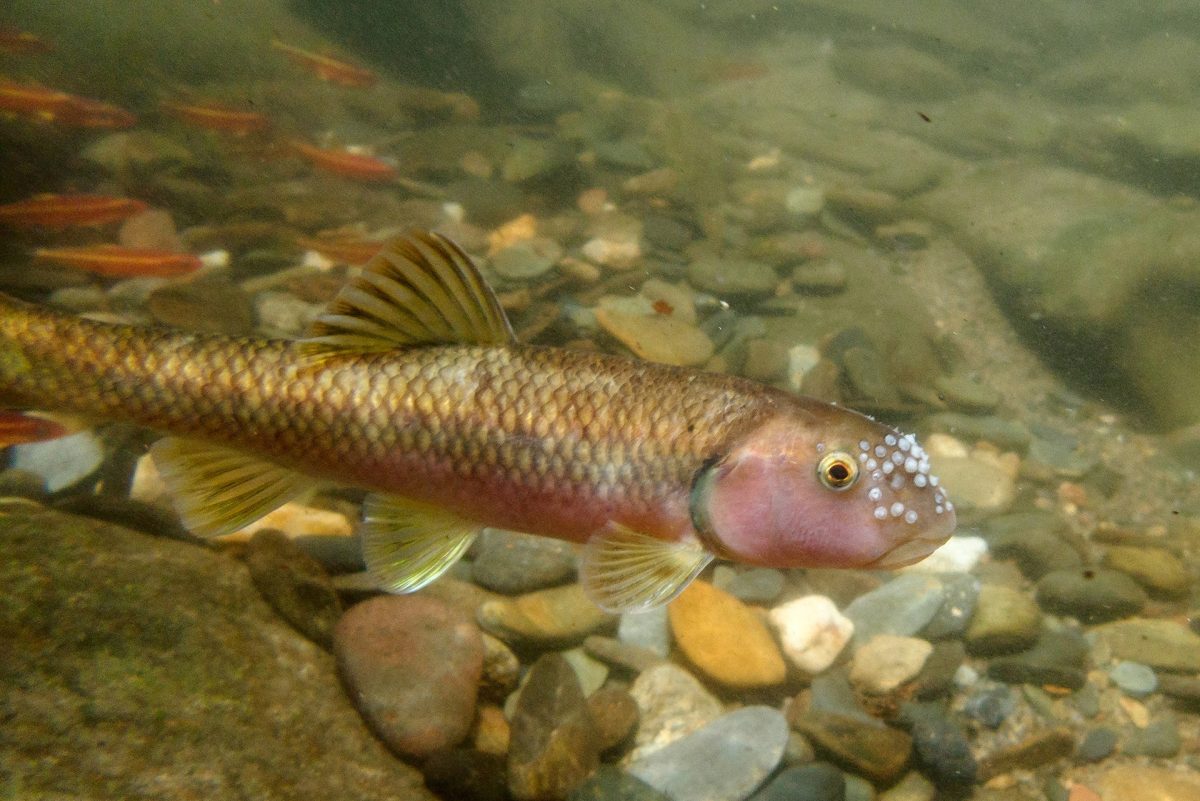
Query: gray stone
(727, 277)
(819, 781)
(991, 706)
(953, 616)
(902, 606)
(757, 585)
(1133, 678)
(60, 462)
(1008, 434)
(1160, 739)
(1094, 595)
(649, 630)
(1097, 744)
(724, 761)
(526, 260)
(1033, 540)
(613, 784)
(512, 563)
(141, 660)
(1058, 658)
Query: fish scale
(440, 423)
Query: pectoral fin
(626, 571)
(218, 490)
(407, 544)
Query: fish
(84, 112)
(216, 117)
(412, 387)
(18, 42)
(50, 105)
(68, 210)
(116, 261)
(344, 162)
(328, 68)
(32, 100)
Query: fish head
(822, 486)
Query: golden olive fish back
(583, 438)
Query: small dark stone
(1058, 657)
(336, 553)
(609, 783)
(148, 518)
(941, 746)
(666, 232)
(554, 744)
(17, 483)
(1181, 688)
(294, 584)
(1097, 744)
(954, 615)
(1094, 595)
(819, 781)
(1033, 540)
(1160, 739)
(466, 775)
(936, 678)
(872, 750)
(991, 706)
(615, 714)
(1039, 748)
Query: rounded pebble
(706, 621)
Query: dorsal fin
(420, 289)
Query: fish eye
(838, 470)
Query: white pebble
(812, 631)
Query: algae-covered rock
(138, 667)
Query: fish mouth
(908, 553)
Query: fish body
(655, 468)
(345, 163)
(327, 68)
(115, 261)
(65, 211)
(216, 117)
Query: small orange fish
(64, 211)
(345, 163)
(342, 249)
(83, 112)
(327, 68)
(19, 428)
(17, 42)
(216, 117)
(115, 261)
(32, 100)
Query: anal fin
(407, 544)
(219, 490)
(627, 571)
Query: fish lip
(908, 553)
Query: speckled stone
(956, 611)
(1097, 744)
(554, 744)
(615, 714)
(886, 661)
(1094, 595)
(1160, 739)
(706, 621)
(1005, 620)
(724, 761)
(412, 665)
(672, 704)
(1148, 783)
(941, 746)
